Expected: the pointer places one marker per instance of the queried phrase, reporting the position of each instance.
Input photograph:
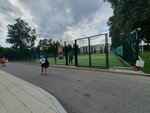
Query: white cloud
(18, 10)
(94, 26)
(25, 12)
(66, 20)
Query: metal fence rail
(70, 50)
(129, 49)
(88, 49)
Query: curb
(110, 70)
(102, 70)
(53, 99)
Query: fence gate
(92, 51)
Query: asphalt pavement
(83, 91)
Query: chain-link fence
(129, 49)
(91, 51)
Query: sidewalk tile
(13, 105)
(33, 91)
(35, 106)
(4, 93)
(23, 96)
(54, 108)
(1, 86)
(2, 109)
(50, 111)
(44, 99)
(49, 103)
(13, 88)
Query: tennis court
(97, 60)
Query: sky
(61, 20)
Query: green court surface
(97, 60)
(146, 58)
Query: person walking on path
(44, 65)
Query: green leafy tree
(43, 45)
(127, 16)
(31, 45)
(48, 46)
(21, 35)
(53, 46)
(69, 48)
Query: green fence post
(106, 50)
(55, 54)
(34, 54)
(66, 53)
(89, 51)
(76, 53)
(137, 45)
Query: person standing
(42, 61)
(3, 61)
(70, 59)
(44, 65)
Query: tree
(31, 45)
(70, 48)
(43, 45)
(21, 35)
(48, 46)
(54, 47)
(127, 16)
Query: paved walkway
(18, 96)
